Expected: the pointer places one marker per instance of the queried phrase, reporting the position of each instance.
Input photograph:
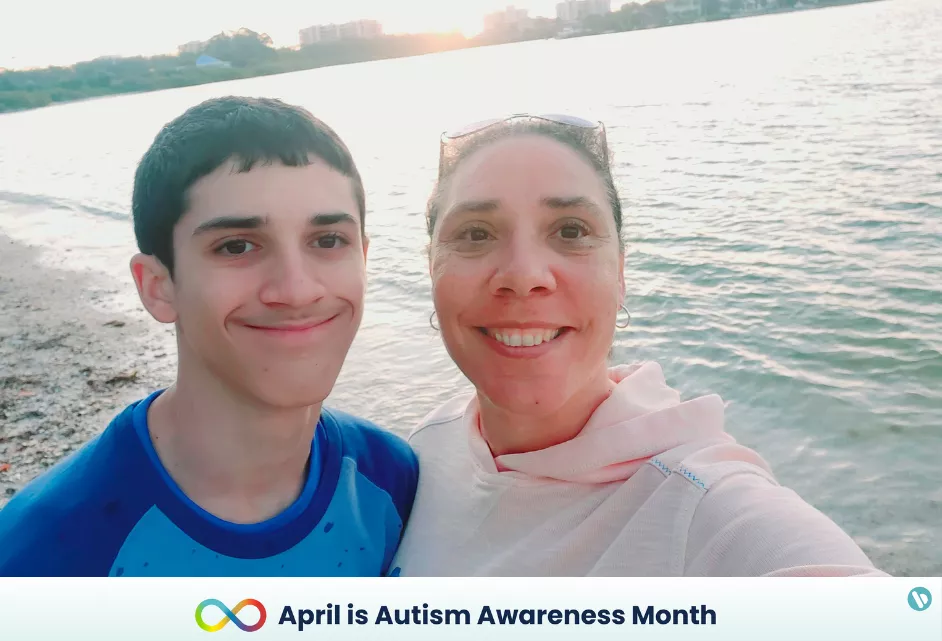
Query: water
(782, 177)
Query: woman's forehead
(525, 165)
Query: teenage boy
(249, 215)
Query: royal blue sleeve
(72, 520)
(382, 457)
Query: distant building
(578, 10)
(510, 19)
(209, 61)
(194, 46)
(357, 30)
(318, 33)
(684, 9)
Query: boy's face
(269, 280)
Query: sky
(38, 33)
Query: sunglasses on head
(455, 135)
(559, 119)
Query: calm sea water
(783, 182)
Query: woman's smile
(524, 342)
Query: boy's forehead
(270, 190)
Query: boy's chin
(289, 393)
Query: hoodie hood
(642, 418)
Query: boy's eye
(235, 247)
(330, 241)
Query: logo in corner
(230, 615)
(920, 599)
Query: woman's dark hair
(588, 143)
(249, 130)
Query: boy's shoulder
(62, 521)
(363, 438)
(381, 456)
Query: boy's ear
(154, 286)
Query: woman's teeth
(523, 337)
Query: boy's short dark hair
(249, 130)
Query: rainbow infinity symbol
(230, 615)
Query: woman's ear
(154, 286)
(621, 275)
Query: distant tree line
(652, 14)
(249, 53)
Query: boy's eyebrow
(332, 219)
(254, 222)
(230, 222)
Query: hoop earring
(626, 323)
(431, 321)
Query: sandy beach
(68, 364)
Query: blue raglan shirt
(111, 509)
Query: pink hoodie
(651, 486)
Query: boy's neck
(237, 459)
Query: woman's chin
(523, 398)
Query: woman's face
(527, 273)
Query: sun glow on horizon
(32, 40)
(424, 22)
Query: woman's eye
(330, 241)
(571, 232)
(235, 247)
(476, 235)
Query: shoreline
(69, 365)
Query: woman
(558, 464)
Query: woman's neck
(517, 432)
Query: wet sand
(67, 363)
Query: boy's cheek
(346, 279)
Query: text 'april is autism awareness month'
(424, 615)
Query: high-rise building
(358, 29)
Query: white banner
(443, 609)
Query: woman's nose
(524, 270)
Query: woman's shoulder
(450, 412)
(707, 461)
(747, 524)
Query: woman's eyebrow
(473, 206)
(572, 202)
